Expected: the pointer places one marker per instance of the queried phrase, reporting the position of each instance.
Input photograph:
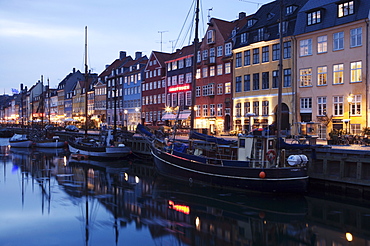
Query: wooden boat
(6, 133)
(50, 143)
(20, 141)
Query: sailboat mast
(49, 98)
(280, 87)
(194, 80)
(86, 81)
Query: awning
(183, 115)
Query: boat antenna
(86, 81)
(193, 82)
(280, 87)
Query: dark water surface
(48, 198)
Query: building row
(318, 50)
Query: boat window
(271, 144)
(241, 143)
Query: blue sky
(46, 37)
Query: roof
(329, 15)
(268, 18)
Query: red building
(153, 89)
(214, 76)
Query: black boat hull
(274, 180)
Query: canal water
(48, 198)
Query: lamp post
(125, 112)
(349, 99)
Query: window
(345, 9)
(306, 105)
(265, 80)
(212, 71)
(290, 9)
(256, 108)
(238, 110)
(174, 99)
(321, 106)
(247, 108)
(227, 88)
(256, 81)
(205, 90)
(227, 68)
(321, 75)
(197, 112)
(287, 78)
(265, 54)
(205, 110)
(243, 38)
(356, 71)
(219, 69)
(256, 56)
(306, 47)
(275, 52)
(188, 62)
(219, 51)
(265, 108)
(356, 105)
(260, 34)
(181, 64)
(314, 17)
(228, 49)
(220, 89)
(212, 110)
(181, 79)
(338, 74)
(287, 49)
(210, 36)
(219, 109)
(205, 72)
(275, 79)
(322, 44)
(338, 41)
(238, 59)
(188, 98)
(198, 74)
(238, 84)
(247, 58)
(199, 58)
(205, 55)
(247, 82)
(338, 105)
(197, 91)
(356, 37)
(305, 76)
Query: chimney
(138, 55)
(122, 55)
(74, 70)
(106, 66)
(242, 15)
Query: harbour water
(48, 198)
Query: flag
(15, 91)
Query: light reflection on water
(51, 199)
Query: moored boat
(50, 143)
(20, 141)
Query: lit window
(321, 75)
(314, 17)
(306, 47)
(305, 77)
(345, 9)
(356, 71)
(338, 74)
(322, 44)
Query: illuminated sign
(180, 208)
(179, 88)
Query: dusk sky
(43, 37)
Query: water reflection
(125, 203)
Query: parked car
(71, 128)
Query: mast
(86, 81)
(194, 80)
(42, 101)
(49, 98)
(280, 87)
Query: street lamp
(125, 112)
(349, 99)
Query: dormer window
(251, 22)
(270, 16)
(314, 17)
(345, 8)
(210, 36)
(290, 9)
(243, 38)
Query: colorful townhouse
(332, 65)
(131, 98)
(179, 77)
(153, 89)
(256, 56)
(214, 76)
